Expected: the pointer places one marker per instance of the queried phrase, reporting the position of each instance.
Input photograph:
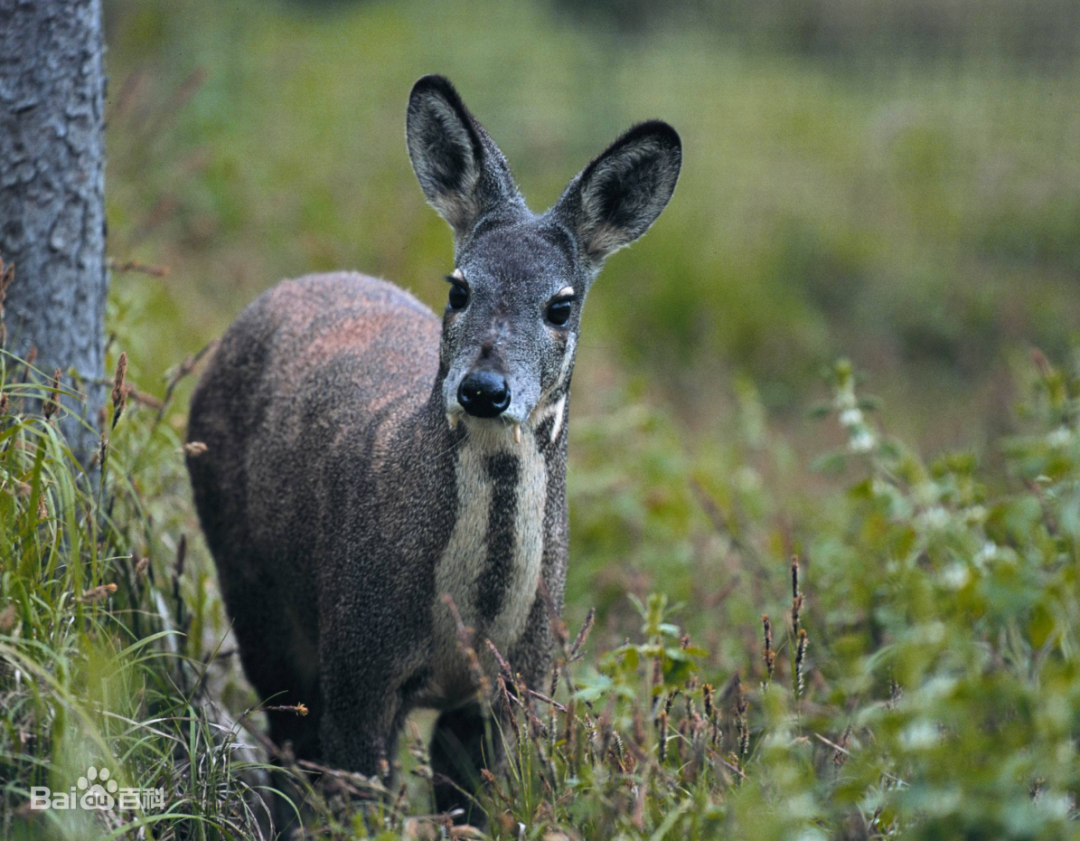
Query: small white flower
(934, 518)
(955, 576)
(986, 553)
(975, 514)
(851, 417)
(861, 442)
(1059, 437)
(919, 734)
(933, 633)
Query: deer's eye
(459, 296)
(559, 310)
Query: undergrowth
(897, 659)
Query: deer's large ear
(618, 196)
(461, 170)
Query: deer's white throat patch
(491, 566)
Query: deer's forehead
(518, 260)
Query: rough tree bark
(52, 182)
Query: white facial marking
(567, 359)
(565, 292)
(453, 418)
(457, 275)
(559, 413)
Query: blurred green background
(899, 184)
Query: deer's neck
(491, 564)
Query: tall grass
(101, 658)
(911, 673)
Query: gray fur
(344, 491)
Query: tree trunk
(52, 183)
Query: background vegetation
(902, 188)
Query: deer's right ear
(460, 169)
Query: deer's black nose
(484, 394)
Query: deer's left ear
(615, 199)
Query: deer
(373, 475)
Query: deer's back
(302, 409)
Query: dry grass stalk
(194, 449)
(582, 636)
(52, 402)
(896, 692)
(465, 638)
(382, 766)
(136, 266)
(7, 275)
(800, 662)
(570, 734)
(401, 803)
(508, 704)
(351, 781)
(553, 724)
(7, 618)
(299, 709)
(504, 667)
(97, 593)
(537, 728)
(688, 696)
(657, 676)
(466, 833)
(840, 754)
(661, 733)
(712, 715)
(119, 391)
(742, 705)
(3, 404)
(419, 751)
(547, 699)
(796, 596)
(31, 358)
(603, 729)
(185, 368)
(769, 654)
(492, 782)
(178, 570)
(144, 399)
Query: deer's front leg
(371, 660)
(464, 742)
(362, 706)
